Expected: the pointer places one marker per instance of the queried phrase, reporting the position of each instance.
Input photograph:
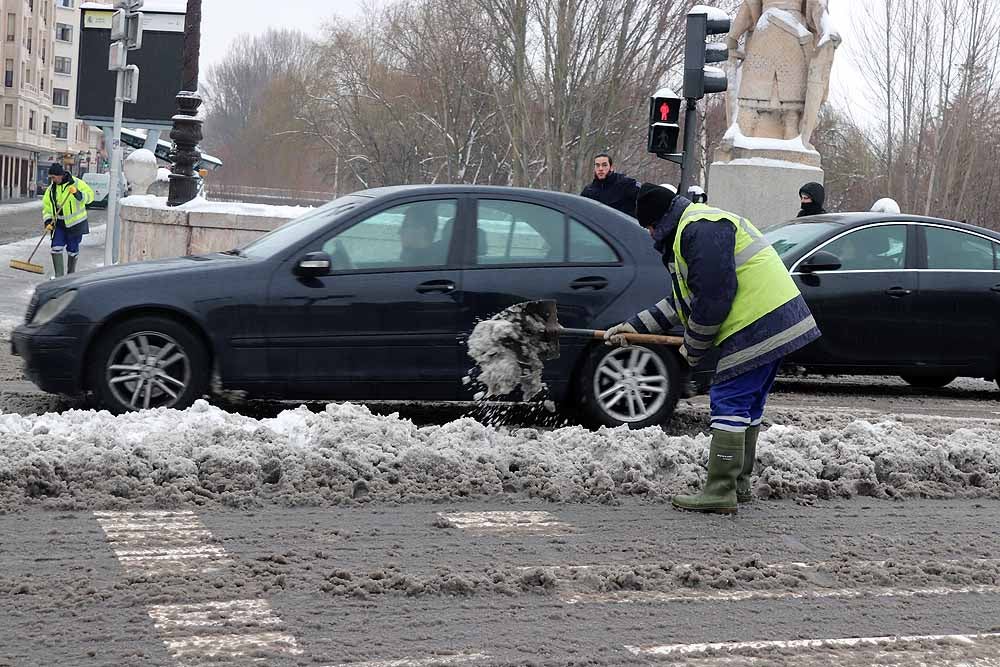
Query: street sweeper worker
(729, 290)
(64, 214)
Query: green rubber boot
(57, 264)
(725, 460)
(71, 264)
(743, 492)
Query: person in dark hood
(728, 289)
(813, 195)
(611, 188)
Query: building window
(60, 130)
(42, 83)
(64, 65)
(8, 115)
(45, 125)
(60, 97)
(64, 32)
(11, 26)
(27, 77)
(68, 4)
(30, 36)
(31, 120)
(8, 75)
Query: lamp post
(186, 133)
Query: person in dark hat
(729, 289)
(812, 196)
(64, 215)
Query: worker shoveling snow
(167, 458)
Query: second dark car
(896, 295)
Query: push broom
(28, 266)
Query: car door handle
(590, 282)
(898, 292)
(436, 287)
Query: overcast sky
(224, 20)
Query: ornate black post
(186, 132)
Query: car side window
(871, 249)
(512, 232)
(408, 236)
(951, 249)
(585, 246)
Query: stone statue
(782, 74)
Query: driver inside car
(416, 236)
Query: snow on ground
(21, 207)
(345, 454)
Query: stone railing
(151, 230)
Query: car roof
(565, 199)
(851, 220)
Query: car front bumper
(53, 356)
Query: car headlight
(52, 308)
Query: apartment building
(37, 102)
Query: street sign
(130, 84)
(160, 60)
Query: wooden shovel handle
(653, 339)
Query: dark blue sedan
(366, 298)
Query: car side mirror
(313, 265)
(820, 261)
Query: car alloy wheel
(631, 384)
(148, 369)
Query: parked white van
(99, 183)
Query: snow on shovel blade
(511, 347)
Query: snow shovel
(546, 311)
(28, 266)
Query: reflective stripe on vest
(763, 283)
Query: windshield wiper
(235, 252)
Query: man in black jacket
(611, 188)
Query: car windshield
(791, 235)
(293, 232)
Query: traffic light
(664, 112)
(700, 80)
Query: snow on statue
(782, 73)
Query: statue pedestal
(763, 190)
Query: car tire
(149, 362)
(635, 386)
(928, 381)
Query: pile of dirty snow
(167, 458)
(510, 350)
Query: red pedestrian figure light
(664, 112)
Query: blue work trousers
(738, 404)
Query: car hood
(170, 265)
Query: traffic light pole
(690, 138)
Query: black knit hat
(652, 203)
(56, 170)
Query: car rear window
(791, 236)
